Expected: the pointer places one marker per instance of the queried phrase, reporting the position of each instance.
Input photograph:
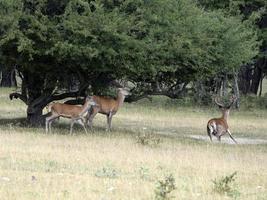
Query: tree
(255, 11)
(159, 46)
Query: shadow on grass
(63, 128)
(60, 128)
(19, 122)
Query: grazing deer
(219, 126)
(74, 112)
(106, 106)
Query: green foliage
(128, 39)
(164, 188)
(252, 11)
(224, 185)
(252, 102)
(161, 43)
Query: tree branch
(133, 98)
(18, 96)
(171, 93)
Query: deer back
(219, 122)
(66, 110)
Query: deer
(74, 112)
(106, 106)
(219, 126)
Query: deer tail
(48, 107)
(210, 130)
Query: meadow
(149, 141)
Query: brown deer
(219, 126)
(106, 106)
(74, 112)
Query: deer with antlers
(219, 126)
(106, 106)
(74, 112)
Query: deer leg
(109, 118)
(48, 122)
(51, 121)
(81, 122)
(231, 136)
(87, 117)
(209, 131)
(71, 125)
(49, 125)
(91, 116)
(218, 134)
(46, 125)
(107, 129)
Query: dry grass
(34, 165)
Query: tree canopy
(255, 12)
(159, 46)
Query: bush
(252, 102)
(148, 139)
(164, 188)
(225, 185)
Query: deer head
(123, 91)
(223, 105)
(225, 108)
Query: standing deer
(219, 126)
(106, 106)
(74, 112)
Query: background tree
(251, 74)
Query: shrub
(164, 188)
(148, 139)
(225, 185)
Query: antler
(218, 103)
(232, 100)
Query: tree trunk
(256, 80)
(244, 79)
(200, 91)
(6, 78)
(36, 118)
(225, 82)
(35, 98)
(260, 92)
(236, 90)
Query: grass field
(114, 166)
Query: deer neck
(225, 115)
(85, 107)
(120, 99)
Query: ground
(149, 141)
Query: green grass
(99, 165)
